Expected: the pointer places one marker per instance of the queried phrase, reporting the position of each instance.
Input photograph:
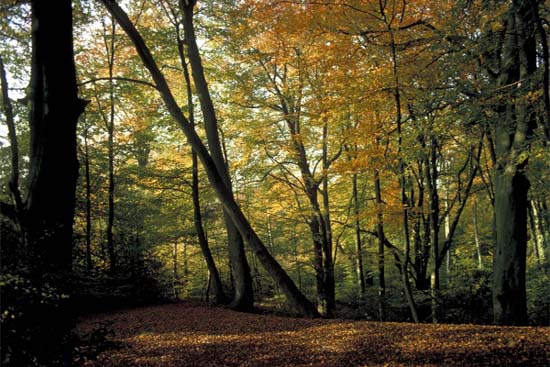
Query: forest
(315, 169)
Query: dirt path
(197, 335)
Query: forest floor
(192, 334)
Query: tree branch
(136, 81)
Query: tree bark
(476, 236)
(430, 167)
(12, 135)
(89, 263)
(514, 129)
(539, 230)
(358, 242)
(402, 183)
(175, 278)
(328, 263)
(224, 194)
(215, 281)
(381, 237)
(53, 168)
(243, 298)
(110, 49)
(49, 205)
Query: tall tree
(224, 194)
(214, 275)
(53, 169)
(243, 298)
(47, 210)
(513, 65)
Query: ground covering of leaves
(192, 334)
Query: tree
(513, 67)
(294, 296)
(47, 210)
(51, 183)
(243, 299)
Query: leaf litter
(195, 334)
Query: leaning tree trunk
(214, 278)
(243, 299)
(293, 294)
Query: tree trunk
(224, 194)
(110, 50)
(540, 230)
(381, 236)
(12, 135)
(49, 205)
(243, 298)
(509, 297)
(53, 167)
(535, 237)
(14, 244)
(476, 236)
(89, 263)
(175, 279)
(214, 280)
(430, 167)
(328, 264)
(402, 183)
(358, 243)
(514, 129)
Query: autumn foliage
(193, 334)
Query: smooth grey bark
(243, 298)
(539, 229)
(215, 281)
(535, 238)
(214, 278)
(476, 236)
(296, 298)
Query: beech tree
(46, 210)
(512, 65)
(294, 296)
(243, 299)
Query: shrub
(34, 322)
